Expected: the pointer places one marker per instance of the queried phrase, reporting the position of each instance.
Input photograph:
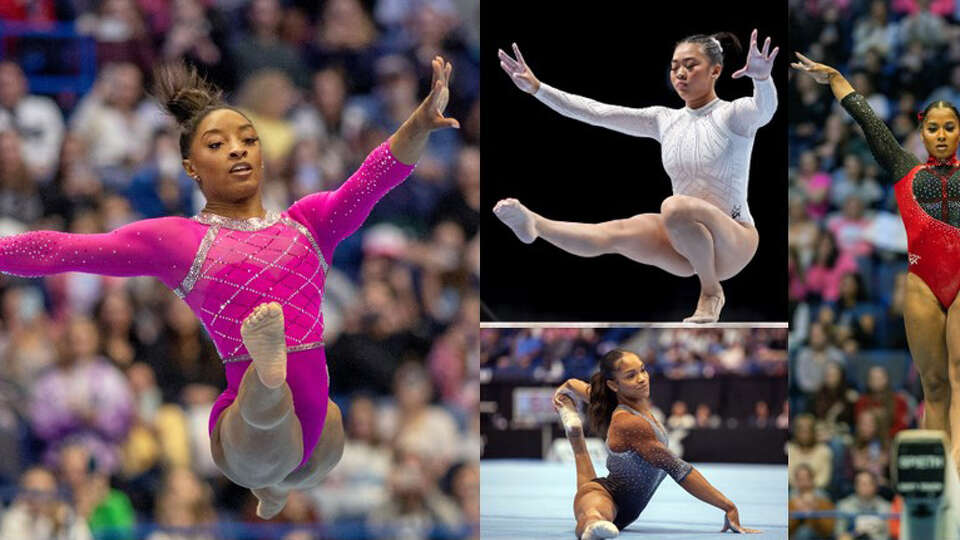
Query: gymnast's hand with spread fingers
(408, 143)
(759, 63)
(518, 70)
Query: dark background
(567, 170)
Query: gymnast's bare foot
(599, 529)
(519, 218)
(708, 309)
(271, 501)
(263, 336)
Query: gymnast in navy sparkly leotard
(619, 406)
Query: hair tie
(920, 116)
(717, 41)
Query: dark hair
(715, 46)
(938, 104)
(603, 400)
(188, 97)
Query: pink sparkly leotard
(224, 267)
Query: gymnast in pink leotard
(254, 278)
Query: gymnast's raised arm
(751, 113)
(884, 146)
(334, 215)
(152, 247)
(631, 432)
(637, 122)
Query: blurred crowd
(106, 384)
(853, 386)
(553, 355)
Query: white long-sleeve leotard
(705, 151)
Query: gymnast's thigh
(926, 326)
(734, 243)
(326, 454)
(591, 496)
(643, 238)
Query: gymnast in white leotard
(705, 227)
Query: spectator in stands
(84, 400)
(849, 228)
(357, 484)
(266, 96)
(680, 417)
(466, 491)
(870, 450)
(803, 232)
(40, 513)
(892, 409)
(263, 47)
(852, 180)
(160, 187)
(115, 128)
(874, 33)
(805, 497)
(184, 502)
(416, 505)
(322, 115)
(761, 416)
(924, 27)
(75, 186)
(121, 33)
(811, 362)
(864, 499)
(104, 508)
(415, 425)
(18, 187)
(833, 402)
(346, 36)
(804, 449)
(825, 273)
(29, 348)
(705, 418)
(199, 35)
(36, 119)
(856, 313)
(835, 142)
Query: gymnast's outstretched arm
(334, 215)
(637, 122)
(636, 433)
(151, 247)
(751, 113)
(883, 145)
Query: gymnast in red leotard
(928, 195)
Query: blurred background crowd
(106, 384)
(853, 386)
(553, 355)
(701, 363)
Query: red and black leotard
(928, 195)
